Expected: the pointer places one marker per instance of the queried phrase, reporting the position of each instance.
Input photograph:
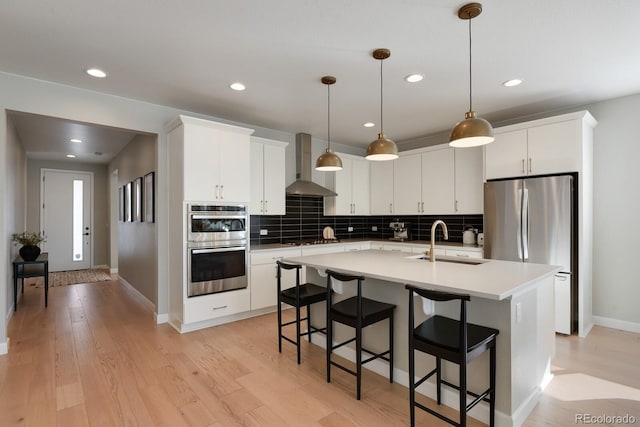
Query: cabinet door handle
(265, 206)
(422, 207)
(390, 207)
(529, 164)
(522, 165)
(561, 278)
(354, 208)
(456, 208)
(220, 307)
(217, 191)
(463, 255)
(418, 207)
(221, 192)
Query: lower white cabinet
(562, 301)
(207, 307)
(264, 279)
(462, 253)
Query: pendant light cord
(381, 99)
(470, 99)
(328, 117)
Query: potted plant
(29, 241)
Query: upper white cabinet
(267, 177)
(539, 147)
(352, 186)
(438, 181)
(215, 160)
(407, 185)
(381, 188)
(469, 188)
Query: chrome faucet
(432, 250)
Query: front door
(66, 200)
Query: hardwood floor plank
(73, 416)
(163, 412)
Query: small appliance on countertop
(469, 236)
(480, 239)
(401, 231)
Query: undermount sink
(451, 260)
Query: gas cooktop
(312, 242)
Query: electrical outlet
(349, 229)
(264, 232)
(374, 228)
(518, 312)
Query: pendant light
(328, 161)
(382, 148)
(472, 131)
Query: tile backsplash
(304, 221)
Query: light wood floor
(95, 357)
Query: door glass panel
(77, 219)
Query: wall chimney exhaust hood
(303, 186)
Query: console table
(23, 269)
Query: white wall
(12, 216)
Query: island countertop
(491, 279)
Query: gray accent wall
(137, 241)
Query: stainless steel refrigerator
(534, 220)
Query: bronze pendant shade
(382, 148)
(472, 131)
(328, 161)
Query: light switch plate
(349, 229)
(374, 228)
(264, 232)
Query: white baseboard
(138, 293)
(101, 267)
(623, 325)
(113, 271)
(4, 347)
(161, 318)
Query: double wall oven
(217, 252)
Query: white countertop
(441, 244)
(492, 279)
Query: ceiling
(185, 55)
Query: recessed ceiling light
(237, 86)
(414, 78)
(71, 156)
(512, 83)
(96, 72)
(75, 140)
(369, 125)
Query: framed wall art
(127, 202)
(149, 198)
(137, 199)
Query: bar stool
(357, 312)
(456, 341)
(297, 296)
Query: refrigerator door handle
(525, 224)
(519, 233)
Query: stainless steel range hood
(303, 186)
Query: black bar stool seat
(456, 341)
(300, 295)
(356, 312)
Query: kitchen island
(515, 298)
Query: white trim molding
(623, 325)
(4, 347)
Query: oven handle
(210, 251)
(200, 216)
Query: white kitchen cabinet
(438, 182)
(264, 279)
(562, 302)
(464, 253)
(469, 186)
(208, 307)
(381, 188)
(267, 177)
(352, 186)
(536, 148)
(407, 185)
(215, 160)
